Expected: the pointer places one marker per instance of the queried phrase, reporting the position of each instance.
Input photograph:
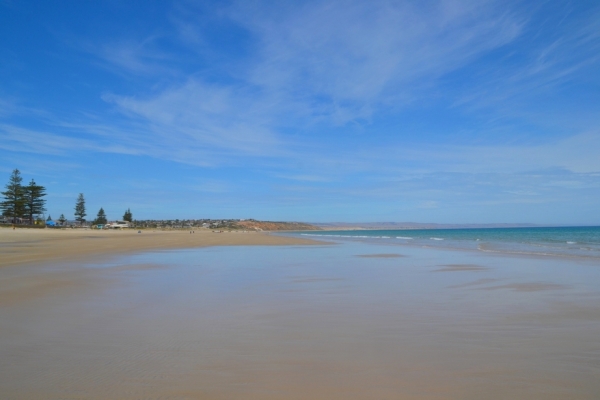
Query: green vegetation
(26, 204)
(100, 218)
(33, 199)
(80, 209)
(22, 201)
(128, 216)
(13, 205)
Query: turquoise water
(548, 241)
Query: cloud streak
(344, 61)
(315, 65)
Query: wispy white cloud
(305, 178)
(302, 96)
(576, 153)
(550, 55)
(336, 62)
(428, 204)
(318, 62)
(135, 57)
(7, 107)
(17, 139)
(200, 116)
(344, 60)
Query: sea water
(550, 241)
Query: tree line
(21, 203)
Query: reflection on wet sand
(477, 282)
(228, 323)
(528, 286)
(460, 267)
(386, 255)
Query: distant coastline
(415, 225)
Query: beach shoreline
(358, 319)
(29, 246)
(104, 313)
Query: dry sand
(25, 246)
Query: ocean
(578, 241)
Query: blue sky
(427, 111)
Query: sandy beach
(23, 246)
(122, 315)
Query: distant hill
(273, 226)
(411, 225)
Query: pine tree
(127, 216)
(80, 209)
(34, 203)
(100, 217)
(49, 218)
(13, 205)
(62, 219)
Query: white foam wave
(571, 242)
(314, 234)
(436, 238)
(348, 236)
(404, 237)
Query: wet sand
(385, 255)
(460, 267)
(22, 246)
(301, 322)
